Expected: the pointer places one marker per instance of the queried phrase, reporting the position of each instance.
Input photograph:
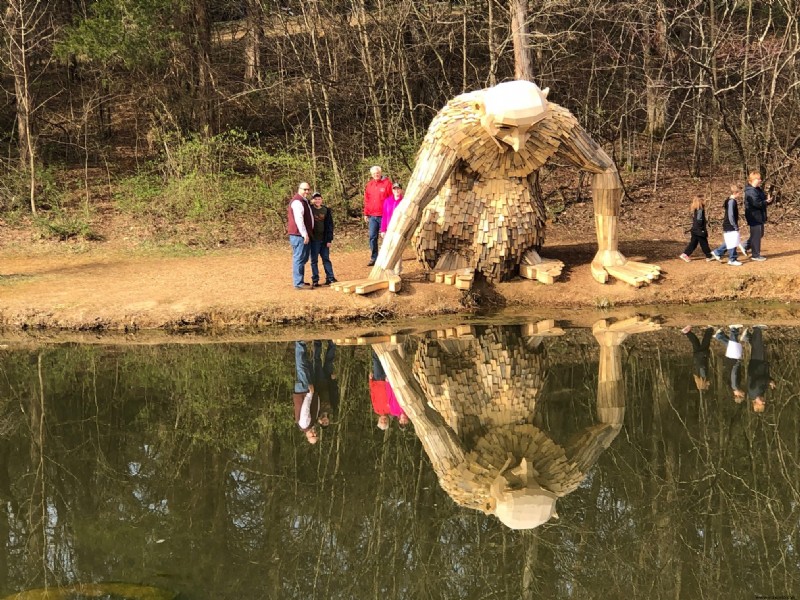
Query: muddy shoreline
(245, 293)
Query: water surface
(182, 467)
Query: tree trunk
(253, 39)
(523, 66)
(18, 16)
(654, 57)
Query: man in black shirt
(321, 238)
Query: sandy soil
(112, 288)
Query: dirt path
(115, 290)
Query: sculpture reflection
(472, 400)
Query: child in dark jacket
(699, 230)
(320, 243)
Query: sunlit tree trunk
(253, 39)
(654, 57)
(23, 23)
(523, 65)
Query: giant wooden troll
(474, 198)
(473, 403)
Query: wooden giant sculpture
(474, 198)
(472, 402)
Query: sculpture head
(518, 501)
(511, 109)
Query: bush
(210, 179)
(62, 225)
(15, 189)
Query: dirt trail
(115, 290)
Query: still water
(530, 460)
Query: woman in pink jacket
(389, 205)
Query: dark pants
(374, 232)
(754, 243)
(698, 239)
(700, 351)
(757, 351)
(378, 374)
(319, 249)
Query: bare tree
(27, 28)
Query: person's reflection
(394, 407)
(733, 357)
(326, 385)
(306, 402)
(758, 377)
(700, 353)
(377, 392)
(472, 403)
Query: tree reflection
(180, 467)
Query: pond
(519, 460)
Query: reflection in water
(472, 400)
(181, 467)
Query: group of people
(316, 390)
(758, 370)
(310, 227)
(755, 214)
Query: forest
(211, 111)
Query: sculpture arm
(440, 442)
(579, 149)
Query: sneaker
(314, 285)
(759, 258)
(716, 256)
(734, 263)
(302, 288)
(686, 329)
(331, 281)
(685, 258)
(709, 258)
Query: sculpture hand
(614, 263)
(379, 279)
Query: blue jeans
(302, 366)
(374, 231)
(721, 251)
(319, 249)
(299, 259)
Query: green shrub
(63, 225)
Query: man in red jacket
(377, 190)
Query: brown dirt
(111, 287)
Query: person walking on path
(376, 191)
(321, 238)
(300, 223)
(730, 227)
(389, 204)
(755, 213)
(699, 230)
